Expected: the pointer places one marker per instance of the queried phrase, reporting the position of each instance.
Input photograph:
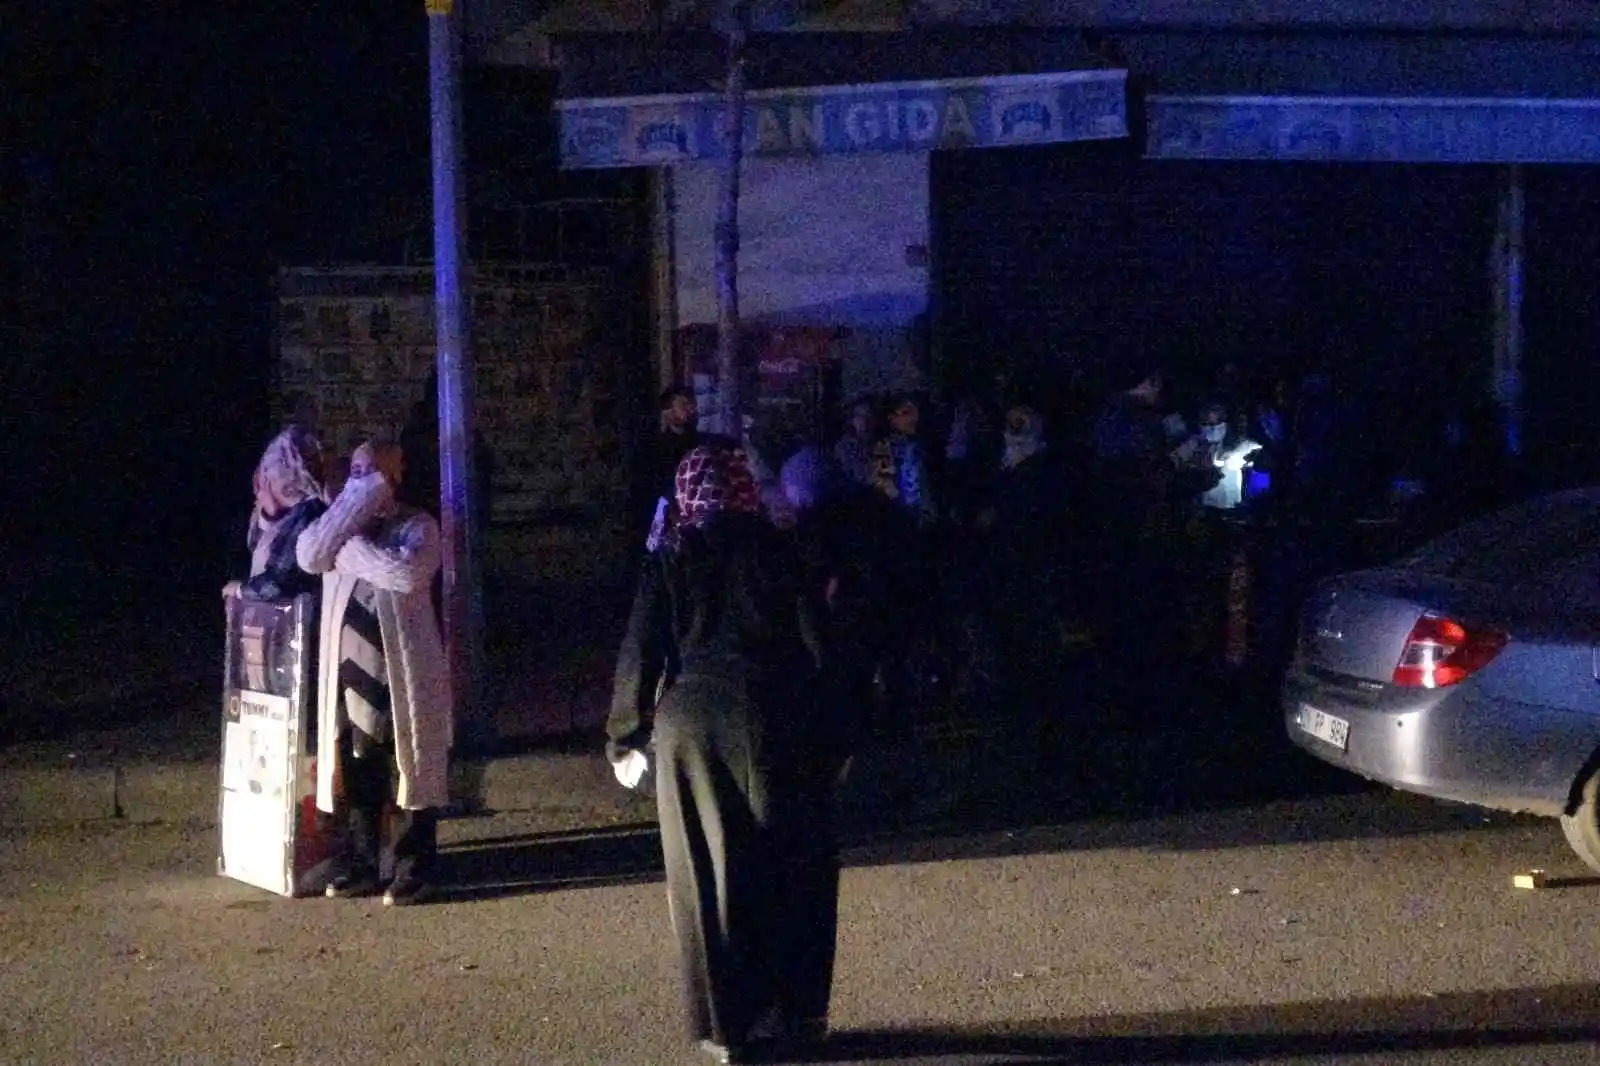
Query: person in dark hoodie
(1026, 527)
(678, 432)
(1134, 494)
(847, 536)
(724, 629)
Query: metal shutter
(1562, 322)
(1084, 256)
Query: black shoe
(808, 1030)
(770, 1041)
(406, 891)
(353, 885)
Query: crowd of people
(1003, 534)
(773, 634)
(789, 610)
(1018, 517)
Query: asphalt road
(1346, 928)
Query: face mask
(1214, 434)
(1018, 447)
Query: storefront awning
(1375, 129)
(911, 116)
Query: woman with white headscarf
(289, 497)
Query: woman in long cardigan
(745, 761)
(384, 700)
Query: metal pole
(733, 22)
(1513, 378)
(1508, 267)
(463, 598)
(664, 265)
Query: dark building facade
(1399, 192)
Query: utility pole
(734, 18)
(463, 590)
(1508, 278)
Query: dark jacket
(1032, 509)
(419, 440)
(851, 540)
(1134, 484)
(853, 544)
(1130, 445)
(283, 579)
(668, 452)
(730, 604)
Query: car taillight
(1440, 653)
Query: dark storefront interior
(1060, 259)
(1562, 318)
(1080, 259)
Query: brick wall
(552, 349)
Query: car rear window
(1519, 542)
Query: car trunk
(1357, 625)
(1532, 571)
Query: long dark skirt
(752, 863)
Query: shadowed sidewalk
(551, 650)
(96, 645)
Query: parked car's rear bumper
(1452, 744)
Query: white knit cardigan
(398, 556)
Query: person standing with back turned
(746, 761)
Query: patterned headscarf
(285, 467)
(712, 481)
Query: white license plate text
(1325, 727)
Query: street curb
(79, 790)
(34, 796)
(187, 792)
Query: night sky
(157, 170)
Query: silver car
(1469, 671)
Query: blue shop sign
(1375, 129)
(848, 119)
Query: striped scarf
(363, 674)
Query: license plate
(1325, 727)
